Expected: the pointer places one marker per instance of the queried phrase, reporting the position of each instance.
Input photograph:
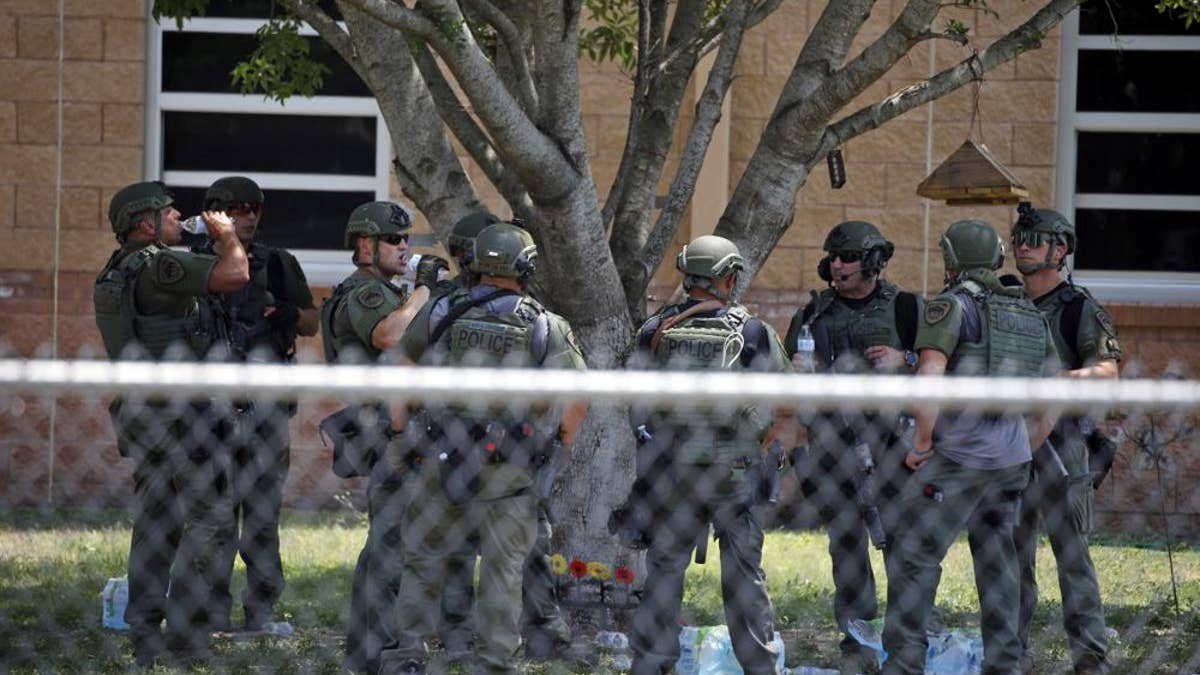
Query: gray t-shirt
(980, 441)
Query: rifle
(547, 464)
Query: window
(1129, 151)
(315, 158)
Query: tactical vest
(337, 342)
(1063, 329)
(706, 436)
(842, 334)
(121, 324)
(1013, 334)
(483, 339)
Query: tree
(516, 64)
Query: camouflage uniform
(1063, 504)
(843, 328)
(258, 434)
(709, 460)
(497, 327)
(974, 479)
(151, 302)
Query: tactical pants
(1064, 505)
(182, 518)
(540, 613)
(829, 477)
(434, 533)
(378, 573)
(260, 446)
(705, 495)
(938, 502)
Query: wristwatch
(910, 359)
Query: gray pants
(540, 613)
(705, 496)
(434, 533)
(939, 501)
(260, 449)
(1063, 504)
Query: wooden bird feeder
(972, 175)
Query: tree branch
(464, 128)
(535, 157)
(708, 115)
(1023, 38)
(513, 48)
(328, 29)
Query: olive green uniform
(974, 479)
(843, 328)
(257, 432)
(707, 462)
(151, 302)
(506, 330)
(1064, 503)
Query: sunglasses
(245, 208)
(846, 256)
(393, 239)
(1031, 238)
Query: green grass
(54, 563)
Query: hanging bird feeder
(972, 175)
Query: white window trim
(1167, 288)
(322, 268)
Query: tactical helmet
(504, 250)
(711, 257)
(971, 244)
(461, 242)
(232, 190)
(375, 218)
(857, 235)
(1045, 220)
(134, 199)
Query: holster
(358, 434)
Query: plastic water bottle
(115, 599)
(689, 651)
(717, 658)
(804, 360)
(612, 640)
(953, 652)
(282, 628)
(813, 670)
(195, 225)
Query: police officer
(969, 467)
(475, 477)
(265, 317)
(1087, 344)
(152, 302)
(362, 319)
(706, 460)
(860, 324)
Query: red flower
(578, 568)
(625, 575)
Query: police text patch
(937, 309)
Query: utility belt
(464, 449)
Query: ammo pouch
(358, 434)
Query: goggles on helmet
(1031, 238)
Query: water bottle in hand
(804, 360)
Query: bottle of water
(612, 640)
(689, 651)
(115, 599)
(804, 360)
(195, 225)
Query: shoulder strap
(670, 322)
(458, 309)
(1072, 312)
(906, 318)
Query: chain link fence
(432, 519)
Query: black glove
(285, 316)
(428, 268)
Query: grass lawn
(53, 566)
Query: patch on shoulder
(169, 270)
(371, 297)
(1106, 322)
(937, 309)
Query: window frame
(321, 267)
(1174, 288)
